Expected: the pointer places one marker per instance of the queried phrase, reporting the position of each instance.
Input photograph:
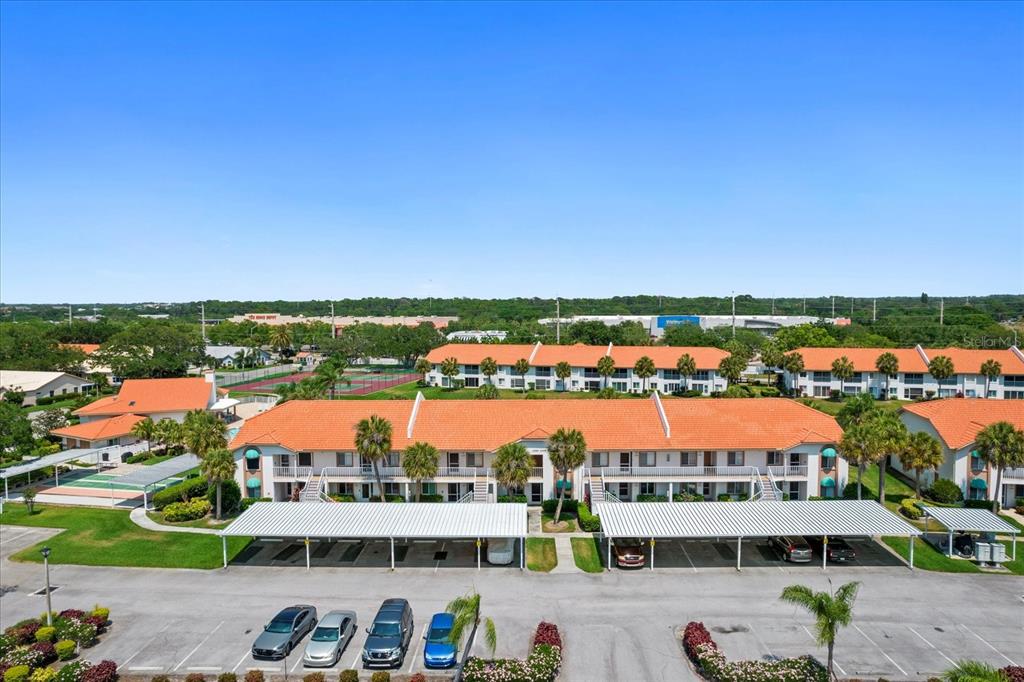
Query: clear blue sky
(182, 151)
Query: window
(501, 381)
(284, 461)
(736, 488)
(856, 378)
(536, 492)
(647, 488)
(343, 459)
(648, 459)
(367, 493)
(474, 459)
(913, 378)
(471, 369)
(599, 459)
(344, 488)
(822, 391)
(977, 463)
(590, 372)
(774, 458)
(542, 371)
(392, 489)
(706, 490)
(543, 384)
(1013, 380)
(592, 385)
(619, 386)
(624, 373)
(688, 459)
(517, 382)
(252, 464)
(392, 459)
(453, 492)
(912, 393)
(794, 490)
(1013, 395)
(624, 491)
(828, 463)
(700, 388)
(636, 385)
(735, 458)
(672, 374)
(850, 389)
(445, 381)
(701, 375)
(472, 382)
(671, 387)
(825, 377)
(305, 459)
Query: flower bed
(714, 666)
(540, 666)
(29, 649)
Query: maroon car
(629, 553)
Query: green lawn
(156, 460)
(107, 537)
(540, 554)
(832, 407)
(587, 554)
(895, 489)
(930, 559)
(57, 403)
(568, 518)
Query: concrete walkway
(563, 550)
(141, 519)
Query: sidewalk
(138, 515)
(563, 550)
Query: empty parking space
(436, 554)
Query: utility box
(998, 552)
(982, 552)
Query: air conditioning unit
(998, 552)
(982, 552)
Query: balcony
(295, 472)
(1013, 474)
(695, 472)
(786, 471)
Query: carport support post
(307, 554)
(652, 554)
(608, 563)
(949, 550)
(824, 552)
(912, 552)
(478, 554)
(522, 553)
(56, 475)
(739, 552)
(145, 500)
(392, 554)
(224, 548)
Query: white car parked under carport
(500, 551)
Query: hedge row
(180, 492)
(591, 523)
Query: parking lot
(616, 626)
(435, 554)
(721, 553)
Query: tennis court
(362, 381)
(92, 483)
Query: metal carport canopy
(977, 520)
(749, 519)
(425, 520)
(148, 475)
(50, 460)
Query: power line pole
(334, 333)
(874, 309)
(773, 305)
(805, 306)
(734, 314)
(558, 321)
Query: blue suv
(438, 652)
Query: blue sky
(183, 151)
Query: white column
(608, 564)
(652, 554)
(145, 499)
(739, 552)
(949, 550)
(307, 553)
(478, 554)
(522, 553)
(392, 554)
(1013, 555)
(56, 475)
(670, 491)
(912, 552)
(824, 551)
(224, 547)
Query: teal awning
(253, 483)
(252, 453)
(979, 484)
(827, 482)
(828, 452)
(567, 485)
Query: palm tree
(373, 442)
(512, 464)
(794, 364)
(467, 613)
(420, 462)
(889, 436)
(488, 367)
(857, 447)
(999, 446)
(144, 430)
(567, 449)
(771, 355)
(423, 367)
(731, 367)
(218, 466)
(888, 364)
(991, 369)
(203, 432)
(522, 367)
(645, 369)
(687, 367)
(856, 410)
(168, 433)
(830, 611)
(606, 368)
(973, 671)
(450, 369)
(331, 373)
(281, 337)
(921, 453)
(563, 370)
(843, 370)
(941, 367)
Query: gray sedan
(285, 631)
(329, 640)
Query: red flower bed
(47, 650)
(695, 635)
(547, 633)
(104, 671)
(72, 614)
(1014, 673)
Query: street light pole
(45, 551)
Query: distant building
(340, 322)
(657, 324)
(36, 385)
(157, 399)
(226, 356)
(469, 335)
(91, 366)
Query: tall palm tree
(731, 367)
(563, 370)
(843, 370)
(973, 671)
(794, 364)
(941, 367)
(522, 367)
(423, 367)
(687, 367)
(488, 367)
(856, 410)
(991, 369)
(467, 613)
(645, 369)
(889, 436)
(606, 368)
(857, 447)
(921, 453)
(888, 364)
(218, 466)
(567, 449)
(512, 464)
(771, 354)
(144, 430)
(1000, 445)
(168, 433)
(830, 611)
(373, 442)
(330, 373)
(420, 462)
(450, 369)
(203, 432)
(281, 337)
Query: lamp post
(45, 551)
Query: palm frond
(490, 635)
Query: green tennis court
(109, 481)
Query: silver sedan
(331, 636)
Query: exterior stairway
(769, 493)
(314, 489)
(480, 489)
(596, 492)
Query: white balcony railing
(734, 472)
(786, 471)
(1016, 474)
(292, 472)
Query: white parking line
(987, 644)
(198, 645)
(296, 664)
(413, 651)
(145, 667)
(139, 650)
(18, 536)
(835, 661)
(682, 546)
(355, 659)
(437, 564)
(951, 661)
(208, 668)
(241, 661)
(887, 656)
(759, 640)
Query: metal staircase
(480, 489)
(315, 490)
(596, 491)
(767, 489)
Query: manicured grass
(928, 558)
(540, 554)
(107, 537)
(587, 554)
(832, 407)
(58, 403)
(569, 519)
(1012, 521)
(207, 522)
(156, 460)
(895, 489)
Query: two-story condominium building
(912, 380)
(955, 423)
(758, 447)
(543, 359)
(155, 398)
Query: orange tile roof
(148, 396)
(577, 355)
(968, 360)
(958, 420)
(87, 348)
(863, 359)
(666, 357)
(473, 353)
(627, 424)
(100, 429)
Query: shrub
(909, 508)
(737, 391)
(97, 622)
(433, 497)
(512, 498)
(73, 672)
(945, 491)
(313, 677)
(160, 678)
(186, 511)
(486, 392)
(348, 676)
(82, 633)
(42, 675)
(590, 523)
(257, 676)
(990, 505)
(1013, 673)
(23, 655)
(186, 490)
(724, 497)
(850, 491)
(195, 677)
(65, 649)
(569, 506)
(695, 635)
(101, 612)
(74, 614)
(705, 654)
(104, 671)
(47, 653)
(687, 497)
(250, 501)
(770, 392)
(547, 633)
(18, 673)
(387, 498)
(333, 496)
(652, 498)
(533, 395)
(540, 666)
(230, 496)
(139, 458)
(227, 677)
(607, 393)
(380, 676)
(23, 632)
(418, 677)
(46, 634)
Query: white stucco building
(36, 385)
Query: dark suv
(389, 635)
(839, 551)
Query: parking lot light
(45, 551)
